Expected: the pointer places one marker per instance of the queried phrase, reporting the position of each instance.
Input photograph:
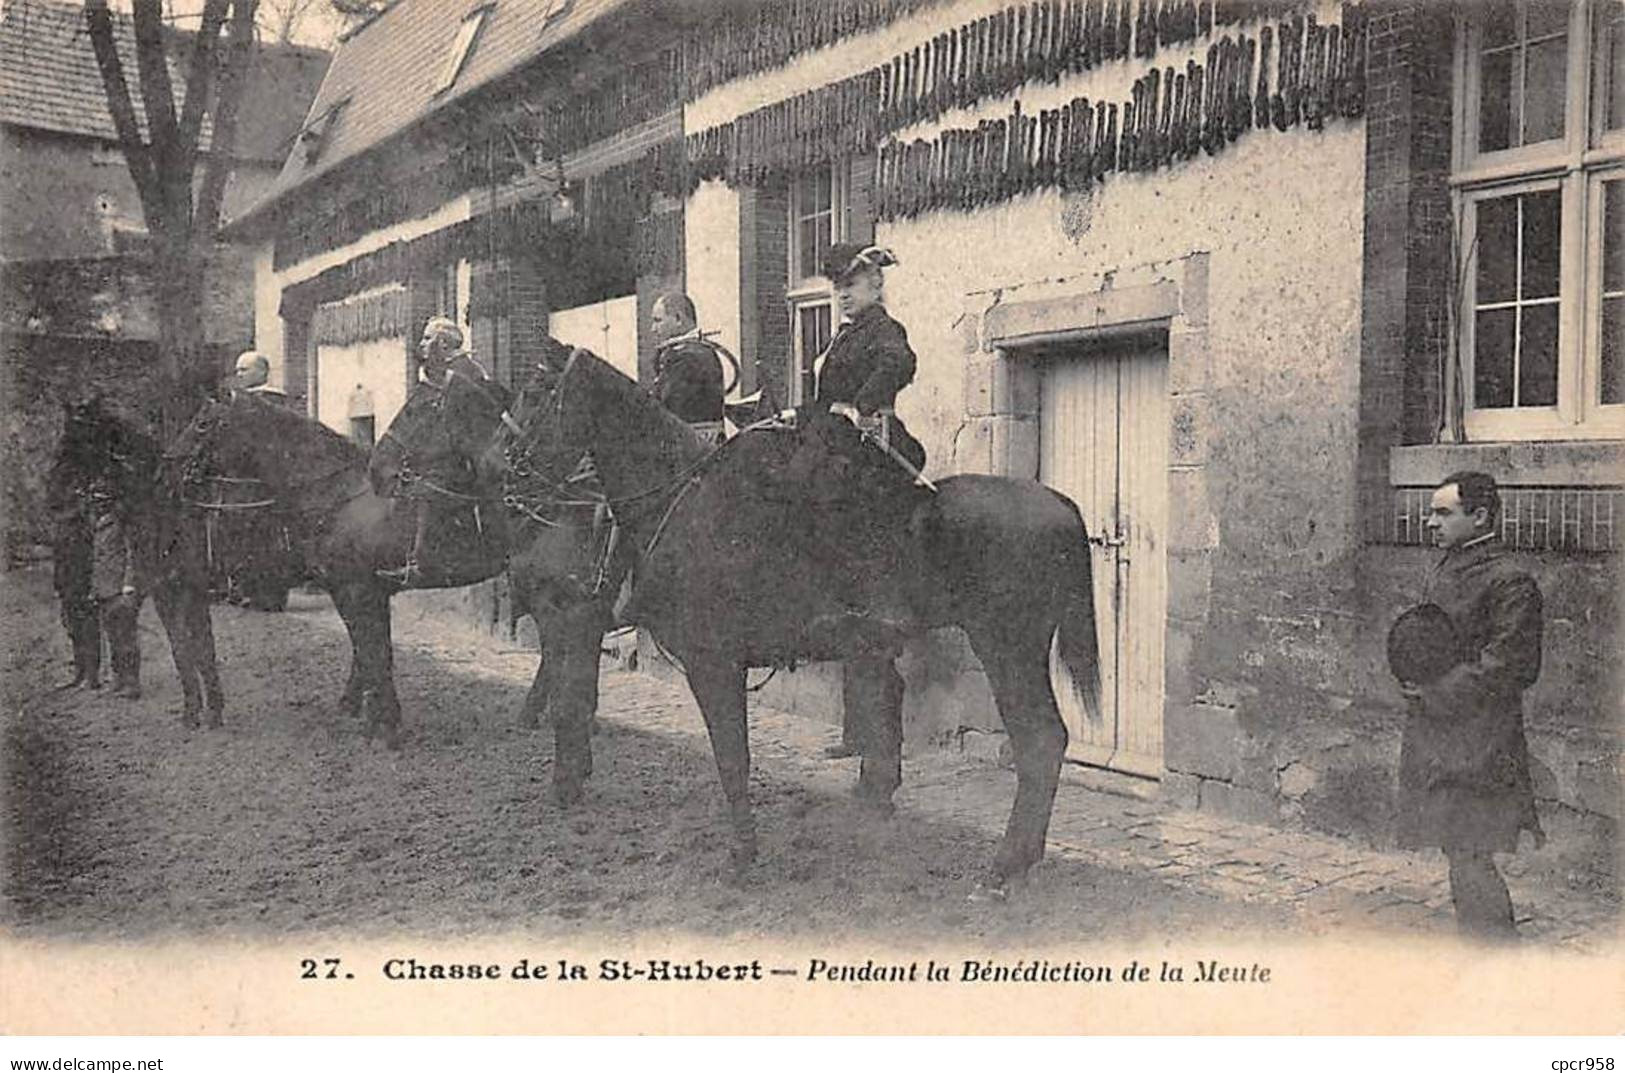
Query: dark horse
(343, 532)
(168, 539)
(723, 584)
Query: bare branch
(233, 82)
(158, 97)
(99, 23)
(200, 81)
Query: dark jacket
(1464, 762)
(115, 564)
(688, 379)
(867, 363)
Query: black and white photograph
(829, 517)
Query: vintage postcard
(812, 516)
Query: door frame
(1006, 325)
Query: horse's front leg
(543, 686)
(364, 607)
(200, 635)
(577, 634)
(872, 694)
(719, 689)
(167, 600)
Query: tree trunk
(164, 163)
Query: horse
(344, 532)
(724, 582)
(168, 541)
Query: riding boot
(84, 632)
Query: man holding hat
(857, 377)
(1464, 782)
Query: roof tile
(49, 79)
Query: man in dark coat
(114, 586)
(688, 367)
(71, 551)
(1464, 763)
(444, 364)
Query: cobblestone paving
(1327, 883)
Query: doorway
(1103, 443)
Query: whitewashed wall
(380, 364)
(711, 235)
(608, 329)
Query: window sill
(1555, 464)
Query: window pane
(1497, 250)
(822, 239)
(1495, 102)
(1492, 358)
(1542, 231)
(1537, 356)
(1613, 235)
(1545, 89)
(1614, 91)
(814, 331)
(1523, 74)
(825, 189)
(807, 249)
(806, 195)
(1613, 351)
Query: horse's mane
(297, 427)
(638, 398)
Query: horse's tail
(1076, 640)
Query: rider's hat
(1423, 644)
(846, 259)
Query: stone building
(1244, 280)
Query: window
(1539, 179)
(317, 133)
(817, 221)
(461, 46)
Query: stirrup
(405, 576)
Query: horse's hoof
(742, 858)
(567, 794)
(189, 720)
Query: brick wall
(1407, 238)
(764, 331)
(527, 313)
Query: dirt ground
(121, 823)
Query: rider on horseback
(857, 378)
(443, 361)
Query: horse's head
(553, 434)
(442, 429)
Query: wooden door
(1104, 444)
